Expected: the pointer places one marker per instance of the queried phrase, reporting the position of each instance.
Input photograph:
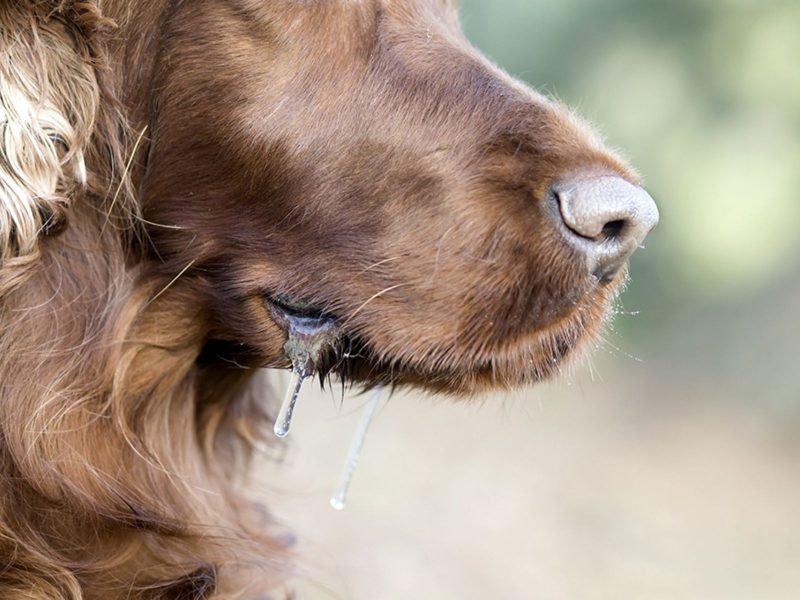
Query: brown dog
(181, 179)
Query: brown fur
(359, 156)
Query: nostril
(604, 217)
(613, 229)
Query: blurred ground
(674, 475)
(588, 492)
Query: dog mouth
(313, 337)
(319, 343)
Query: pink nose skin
(606, 218)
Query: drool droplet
(284, 421)
(307, 340)
(339, 499)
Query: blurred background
(669, 467)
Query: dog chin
(531, 358)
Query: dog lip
(310, 333)
(301, 319)
(298, 312)
(355, 358)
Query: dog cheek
(246, 333)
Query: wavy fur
(166, 178)
(109, 470)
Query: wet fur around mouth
(533, 357)
(176, 177)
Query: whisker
(143, 220)
(621, 351)
(172, 281)
(370, 299)
(124, 175)
(379, 263)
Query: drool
(309, 338)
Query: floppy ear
(49, 99)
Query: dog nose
(607, 219)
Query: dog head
(360, 163)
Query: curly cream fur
(48, 103)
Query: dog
(180, 181)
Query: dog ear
(49, 99)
